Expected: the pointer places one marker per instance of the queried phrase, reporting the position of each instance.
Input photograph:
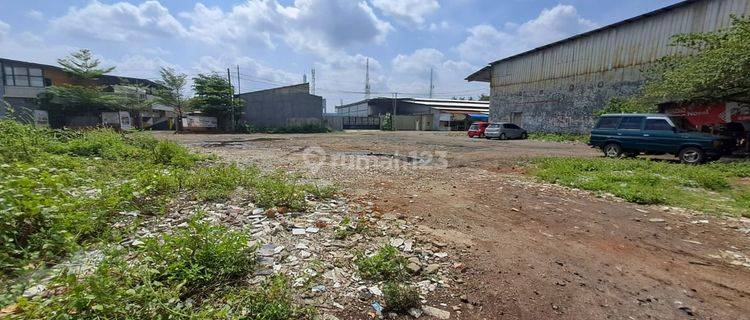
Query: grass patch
(62, 191)
(385, 265)
(400, 298)
(559, 137)
(714, 188)
(195, 273)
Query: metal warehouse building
(557, 87)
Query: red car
(477, 129)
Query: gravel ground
(530, 250)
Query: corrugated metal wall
(632, 44)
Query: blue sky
(275, 42)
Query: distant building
(418, 114)
(22, 82)
(282, 107)
(557, 87)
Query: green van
(655, 134)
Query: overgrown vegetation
(62, 191)
(195, 273)
(715, 69)
(720, 188)
(400, 298)
(559, 137)
(385, 265)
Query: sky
(276, 42)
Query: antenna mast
(432, 83)
(367, 80)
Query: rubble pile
(316, 250)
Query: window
(658, 125)
(608, 123)
(631, 123)
(23, 77)
(512, 126)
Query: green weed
(559, 137)
(385, 265)
(188, 275)
(348, 228)
(400, 298)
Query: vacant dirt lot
(532, 250)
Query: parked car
(632, 134)
(503, 131)
(476, 130)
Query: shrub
(385, 265)
(400, 298)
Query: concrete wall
(278, 108)
(557, 88)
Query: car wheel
(488, 138)
(524, 136)
(691, 155)
(503, 136)
(612, 150)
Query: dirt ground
(532, 250)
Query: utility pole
(432, 83)
(231, 98)
(239, 88)
(313, 81)
(304, 78)
(367, 80)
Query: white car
(503, 131)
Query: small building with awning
(415, 114)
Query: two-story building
(22, 82)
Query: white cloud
(247, 22)
(35, 14)
(120, 21)
(486, 43)
(411, 74)
(418, 62)
(4, 30)
(318, 26)
(410, 11)
(255, 75)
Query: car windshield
(474, 127)
(682, 124)
(494, 125)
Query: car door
(630, 132)
(515, 131)
(659, 136)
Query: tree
(712, 66)
(83, 65)
(716, 70)
(214, 95)
(84, 95)
(484, 97)
(171, 91)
